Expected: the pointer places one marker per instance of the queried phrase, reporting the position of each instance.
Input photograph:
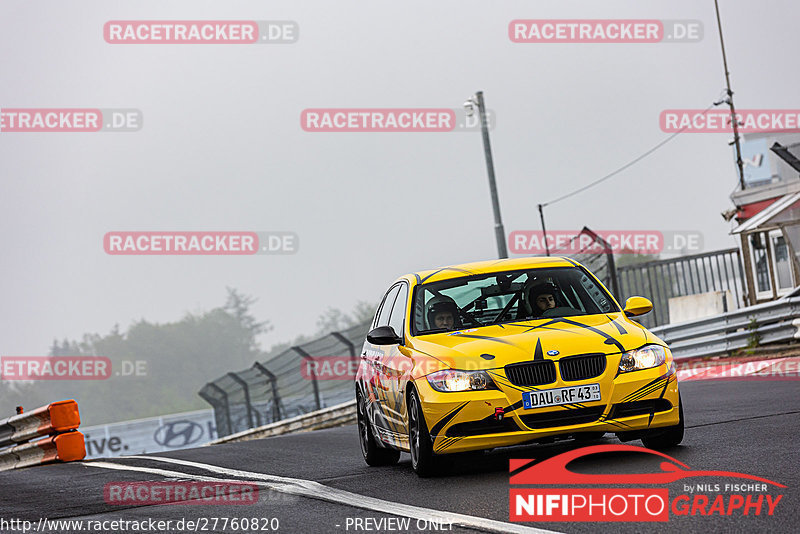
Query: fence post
(306, 356)
(212, 385)
(612, 273)
(236, 378)
(350, 347)
(276, 399)
(609, 252)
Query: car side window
(399, 311)
(386, 307)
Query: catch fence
(288, 384)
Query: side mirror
(637, 306)
(383, 335)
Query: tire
(373, 454)
(668, 437)
(423, 459)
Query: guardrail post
(276, 399)
(306, 356)
(212, 385)
(236, 378)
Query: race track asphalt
(750, 427)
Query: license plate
(558, 396)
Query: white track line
(315, 490)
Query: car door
(376, 382)
(397, 364)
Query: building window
(784, 280)
(758, 255)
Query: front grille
(629, 409)
(531, 374)
(575, 416)
(582, 367)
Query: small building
(767, 211)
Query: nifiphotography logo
(732, 497)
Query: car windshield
(481, 300)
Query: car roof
(488, 266)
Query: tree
(156, 368)
(334, 319)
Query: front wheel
(419, 439)
(669, 437)
(373, 454)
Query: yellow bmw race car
(499, 353)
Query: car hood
(499, 345)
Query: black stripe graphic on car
(437, 271)
(502, 380)
(646, 390)
(447, 442)
(487, 338)
(609, 340)
(538, 354)
(446, 419)
(620, 328)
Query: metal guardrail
(662, 280)
(341, 414)
(55, 418)
(58, 421)
(771, 322)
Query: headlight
(453, 380)
(644, 358)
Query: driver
(540, 298)
(442, 313)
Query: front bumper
(630, 402)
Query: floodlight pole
(734, 120)
(500, 233)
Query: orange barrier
(61, 416)
(67, 447)
(58, 420)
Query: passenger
(539, 298)
(442, 313)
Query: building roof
(767, 214)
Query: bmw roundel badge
(552, 353)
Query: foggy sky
(222, 148)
